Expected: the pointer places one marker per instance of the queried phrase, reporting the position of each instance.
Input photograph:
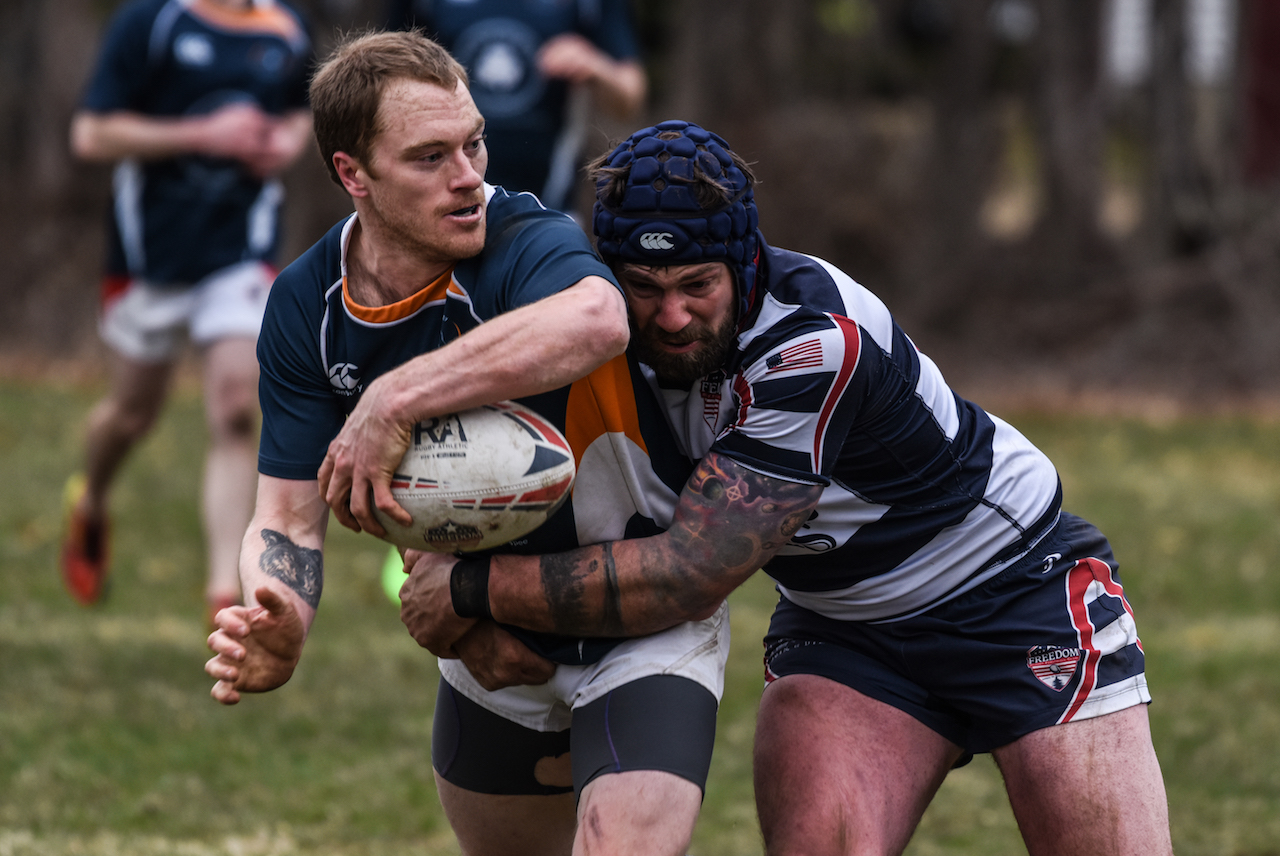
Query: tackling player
(620, 731)
(936, 601)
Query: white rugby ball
(478, 479)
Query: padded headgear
(659, 221)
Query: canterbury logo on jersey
(342, 377)
(657, 241)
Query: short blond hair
(347, 88)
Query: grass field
(109, 743)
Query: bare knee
(232, 409)
(127, 417)
(236, 424)
(640, 812)
(231, 391)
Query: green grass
(109, 743)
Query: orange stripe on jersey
(433, 293)
(265, 18)
(602, 402)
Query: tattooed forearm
(731, 517)
(729, 522)
(612, 592)
(566, 584)
(300, 568)
(563, 584)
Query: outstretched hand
(360, 463)
(256, 647)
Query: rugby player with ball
(441, 294)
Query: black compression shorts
(661, 722)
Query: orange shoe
(84, 548)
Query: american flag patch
(805, 355)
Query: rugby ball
(478, 479)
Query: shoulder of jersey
(321, 263)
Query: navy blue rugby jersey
(533, 136)
(176, 220)
(925, 494)
(319, 350)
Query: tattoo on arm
(300, 568)
(564, 584)
(729, 522)
(612, 592)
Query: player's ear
(351, 173)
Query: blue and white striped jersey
(926, 495)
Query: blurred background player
(202, 103)
(535, 66)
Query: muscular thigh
(1049, 639)
(837, 771)
(1088, 787)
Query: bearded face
(711, 347)
(683, 318)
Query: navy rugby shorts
(1051, 639)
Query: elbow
(616, 329)
(705, 611)
(605, 311)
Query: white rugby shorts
(151, 323)
(697, 650)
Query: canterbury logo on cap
(657, 241)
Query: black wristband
(469, 588)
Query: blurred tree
(882, 131)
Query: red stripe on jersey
(742, 391)
(852, 353)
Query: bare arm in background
(619, 86)
(264, 144)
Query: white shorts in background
(152, 323)
(697, 650)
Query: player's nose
(673, 313)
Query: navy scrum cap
(659, 220)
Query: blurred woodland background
(1062, 199)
